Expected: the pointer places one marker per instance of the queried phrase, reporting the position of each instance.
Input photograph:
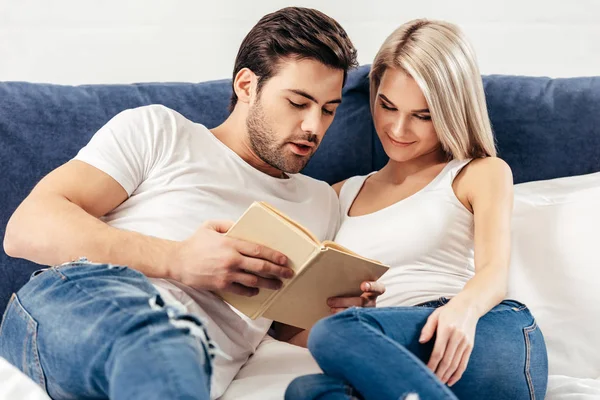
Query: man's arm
(59, 221)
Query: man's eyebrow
(423, 110)
(311, 98)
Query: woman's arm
(487, 186)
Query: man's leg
(86, 330)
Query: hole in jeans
(191, 324)
(411, 396)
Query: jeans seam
(12, 298)
(32, 332)
(526, 331)
(357, 315)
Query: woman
(439, 214)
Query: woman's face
(402, 119)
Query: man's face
(292, 112)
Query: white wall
(114, 41)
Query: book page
(291, 221)
(339, 247)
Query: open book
(322, 270)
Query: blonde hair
(438, 57)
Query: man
(155, 191)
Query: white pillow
(555, 268)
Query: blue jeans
(374, 354)
(94, 331)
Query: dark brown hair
(297, 33)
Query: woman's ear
(244, 85)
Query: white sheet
(16, 386)
(267, 374)
(275, 364)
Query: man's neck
(234, 134)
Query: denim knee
(330, 336)
(297, 388)
(318, 385)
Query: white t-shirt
(178, 175)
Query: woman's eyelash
(386, 107)
(421, 117)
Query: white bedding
(271, 369)
(16, 386)
(275, 364)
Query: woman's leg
(354, 347)
(321, 387)
(378, 353)
(509, 359)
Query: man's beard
(264, 143)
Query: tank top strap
(349, 191)
(450, 173)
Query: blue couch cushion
(545, 129)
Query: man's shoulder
(316, 186)
(154, 119)
(155, 112)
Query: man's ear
(244, 85)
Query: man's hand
(371, 290)
(211, 261)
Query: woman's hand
(454, 325)
(371, 291)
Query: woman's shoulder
(488, 167)
(485, 176)
(353, 181)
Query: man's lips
(304, 143)
(302, 149)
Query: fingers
(262, 268)
(263, 260)
(462, 366)
(452, 355)
(373, 288)
(429, 328)
(255, 281)
(218, 225)
(241, 290)
(345, 302)
(439, 348)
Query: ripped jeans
(375, 354)
(83, 330)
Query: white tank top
(426, 239)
